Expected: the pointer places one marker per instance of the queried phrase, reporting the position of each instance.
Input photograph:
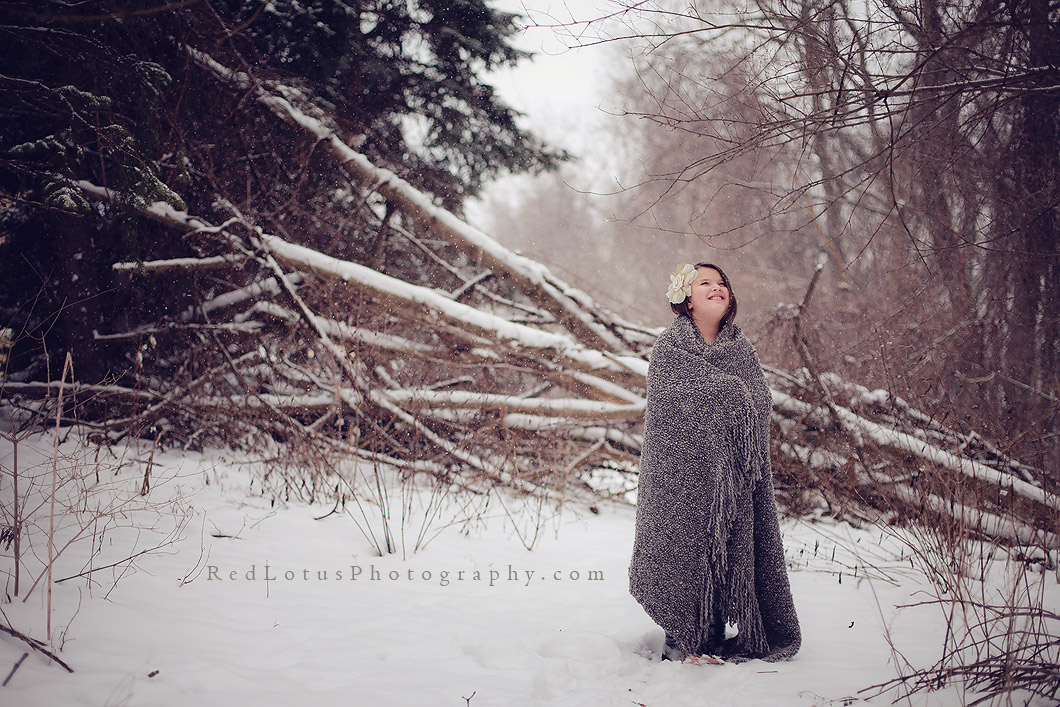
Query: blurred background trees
(912, 146)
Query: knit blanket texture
(707, 536)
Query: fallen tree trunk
(567, 408)
(395, 291)
(571, 306)
(905, 442)
(981, 522)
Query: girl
(707, 550)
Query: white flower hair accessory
(681, 283)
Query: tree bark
(81, 296)
(1035, 144)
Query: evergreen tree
(105, 91)
(388, 66)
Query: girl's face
(710, 297)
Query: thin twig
(39, 646)
(12, 673)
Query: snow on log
(987, 524)
(571, 306)
(304, 402)
(565, 407)
(234, 297)
(209, 263)
(592, 386)
(351, 366)
(905, 442)
(400, 291)
(610, 389)
(76, 389)
(984, 523)
(941, 433)
(346, 332)
(246, 326)
(538, 423)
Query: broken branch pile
(442, 352)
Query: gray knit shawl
(707, 532)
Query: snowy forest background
(242, 225)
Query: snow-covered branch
(78, 390)
(401, 292)
(345, 332)
(571, 306)
(902, 441)
(986, 524)
(570, 408)
(593, 433)
(208, 263)
(246, 326)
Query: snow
(393, 287)
(471, 618)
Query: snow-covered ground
(251, 602)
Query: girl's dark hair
(682, 306)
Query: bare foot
(706, 659)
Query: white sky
(561, 90)
(564, 92)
